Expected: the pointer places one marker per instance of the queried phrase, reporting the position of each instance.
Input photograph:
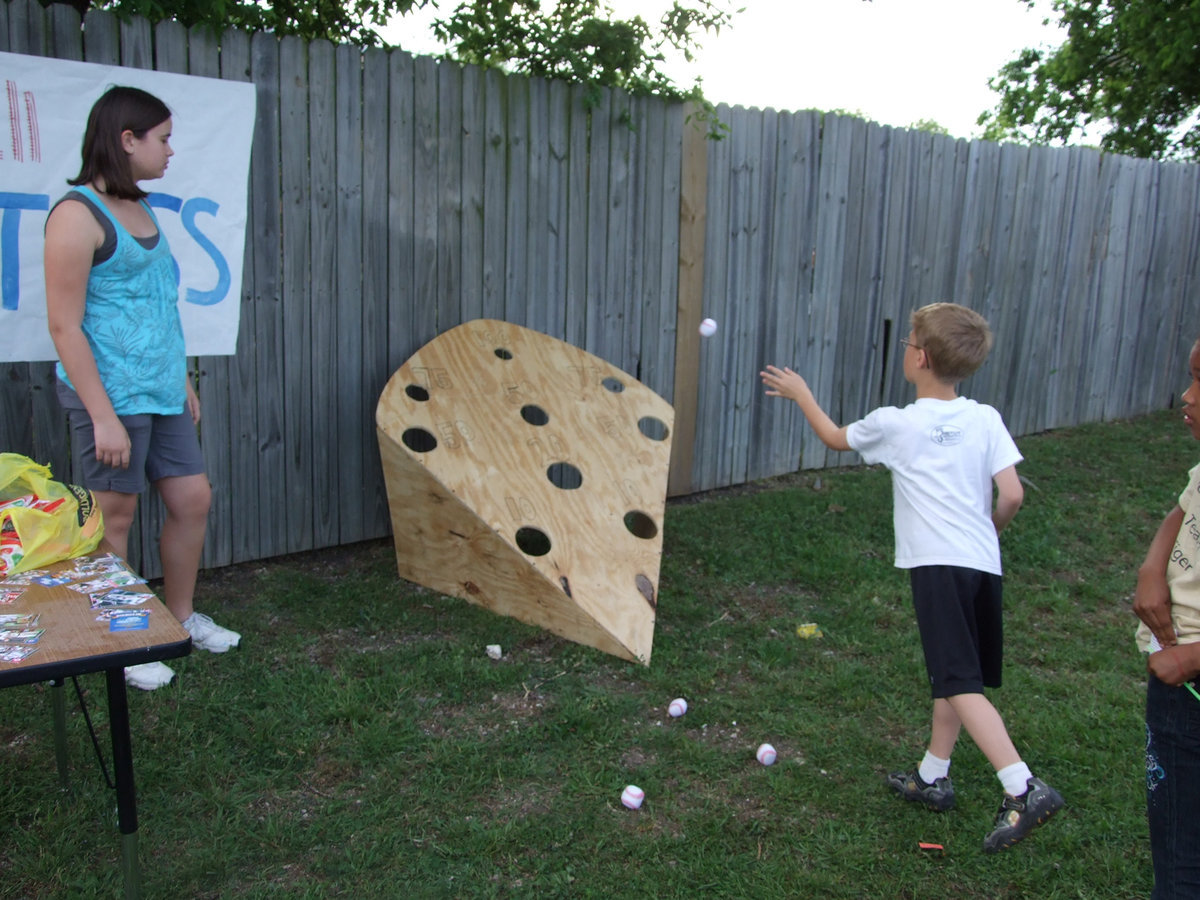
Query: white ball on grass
(632, 796)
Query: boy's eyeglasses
(907, 343)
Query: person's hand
(785, 383)
(193, 403)
(1174, 665)
(1152, 604)
(112, 443)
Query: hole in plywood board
(533, 541)
(640, 525)
(418, 440)
(655, 429)
(564, 475)
(534, 414)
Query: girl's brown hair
(120, 109)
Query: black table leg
(60, 733)
(118, 719)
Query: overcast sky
(894, 61)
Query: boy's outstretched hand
(785, 383)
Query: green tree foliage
(577, 40)
(932, 126)
(580, 41)
(1128, 68)
(341, 21)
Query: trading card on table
(26, 636)
(110, 568)
(10, 595)
(22, 579)
(90, 565)
(130, 620)
(107, 583)
(15, 653)
(53, 580)
(122, 576)
(119, 597)
(18, 620)
(115, 612)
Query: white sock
(1015, 778)
(932, 768)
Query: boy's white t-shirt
(942, 455)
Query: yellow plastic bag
(41, 520)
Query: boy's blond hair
(956, 340)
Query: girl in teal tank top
(131, 319)
(112, 308)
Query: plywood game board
(529, 477)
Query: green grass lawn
(362, 744)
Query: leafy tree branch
(1130, 68)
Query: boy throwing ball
(945, 453)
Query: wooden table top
(77, 639)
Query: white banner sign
(200, 203)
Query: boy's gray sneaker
(1020, 815)
(938, 796)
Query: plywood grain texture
(529, 477)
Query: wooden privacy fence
(824, 233)
(393, 197)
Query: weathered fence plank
(474, 141)
(744, 290)
(818, 354)
(297, 337)
(711, 401)
(424, 300)
(401, 194)
(265, 342)
(519, 306)
(575, 320)
(373, 367)
(495, 185)
(449, 203)
(201, 53)
(349, 301)
(241, 384)
(557, 247)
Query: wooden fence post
(693, 197)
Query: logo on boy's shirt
(946, 435)
(1191, 527)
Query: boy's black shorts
(961, 624)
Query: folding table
(76, 642)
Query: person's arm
(786, 383)
(1010, 494)
(72, 236)
(193, 403)
(1175, 665)
(1152, 598)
